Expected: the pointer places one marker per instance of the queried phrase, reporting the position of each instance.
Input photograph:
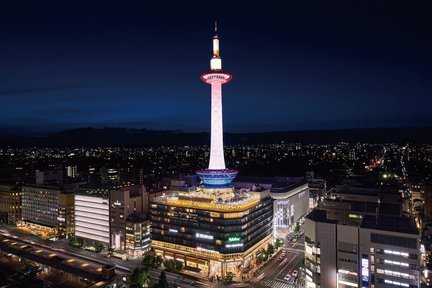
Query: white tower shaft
(217, 159)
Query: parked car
(287, 277)
(295, 273)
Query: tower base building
(212, 231)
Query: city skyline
(298, 68)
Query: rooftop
(218, 199)
(390, 223)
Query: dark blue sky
(296, 66)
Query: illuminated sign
(234, 239)
(204, 236)
(365, 270)
(234, 245)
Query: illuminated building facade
(213, 228)
(66, 225)
(379, 252)
(123, 202)
(138, 237)
(291, 203)
(92, 222)
(44, 207)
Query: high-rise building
(101, 217)
(213, 228)
(65, 225)
(46, 209)
(49, 177)
(92, 222)
(359, 238)
(124, 201)
(428, 200)
(138, 236)
(10, 204)
(72, 171)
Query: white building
(92, 220)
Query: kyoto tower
(216, 174)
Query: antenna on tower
(216, 27)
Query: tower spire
(216, 61)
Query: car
(295, 273)
(287, 277)
(280, 258)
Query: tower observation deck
(216, 174)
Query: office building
(10, 204)
(47, 210)
(92, 222)
(138, 236)
(358, 237)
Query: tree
(270, 249)
(99, 247)
(297, 227)
(279, 243)
(163, 282)
(173, 265)
(152, 260)
(141, 277)
(76, 242)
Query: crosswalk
(275, 283)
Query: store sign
(234, 239)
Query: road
(273, 274)
(122, 267)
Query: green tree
(297, 227)
(76, 242)
(270, 249)
(141, 277)
(163, 282)
(173, 266)
(179, 266)
(279, 243)
(152, 260)
(99, 247)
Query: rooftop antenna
(215, 27)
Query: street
(274, 272)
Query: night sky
(297, 66)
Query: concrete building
(66, 215)
(428, 201)
(359, 238)
(101, 217)
(123, 202)
(44, 207)
(291, 203)
(92, 221)
(10, 204)
(138, 235)
(49, 177)
(72, 171)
